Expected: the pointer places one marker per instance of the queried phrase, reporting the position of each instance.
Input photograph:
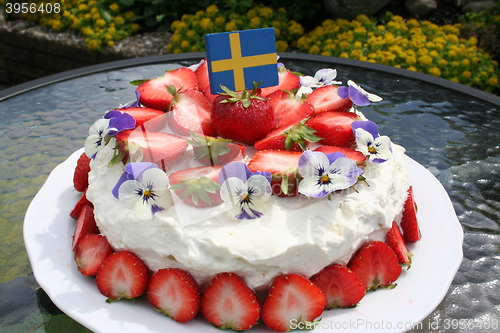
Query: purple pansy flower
(143, 187)
(358, 95)
(370, 143)
(244, 192)
(101, 131)
(324, 173)
(323, 77)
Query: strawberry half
(153, 93)
(161, 148)
(197, 187)
(229, 303)
(82, 202)
(175, 293)
(243, 117)
(288, 110)
(90, 253)
(395, 240)
(327, 99)
(293, 138)
(292, 299)
(376, 265)
(354, 155)
(122, 275)
(409, 222)
(203, 80)
(340, 285)
(152, 119)
(81, 175)
(287, 80)
(334, 127)
(215, 151)
(190, 110)
(85, 224)
(283, 166)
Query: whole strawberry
(243, 117)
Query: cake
(179, 185)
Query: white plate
(48, 231)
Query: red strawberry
(122, 275)
(334, 128)
(395, 240)
(175, 293)
(229, 303)
(376, 265)
(154, 94)
(243, 117)
(283, 166)
(82, 202)
(152, 119)
(190, 110)
(354, 155)
(409, 222)
(288, 110)
(197, 187)
(340, 285)
(292, 299)
(90, 253)
(161, 148)
(203, 80)
(327, 99)
(293, 138)
(215, 151)
(85, 224)
(287, 81)
(81, 175)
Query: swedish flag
(237, 59)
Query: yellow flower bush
(101, 22)
(189, 31)
(418, 46)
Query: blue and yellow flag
(237, 59)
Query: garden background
(461, 47)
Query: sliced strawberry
(122, 275)
(153, 120)
(215, 151)
(229, 303)
(287, 81)
(354, 155)
(90, 253)
(409, 222)
(376, 265)
(340, 285)
(327, 99)
(175, 293)
(82, 202)
(190, 111)
(283, 166)
(293, 138)
(203, 80)
(197, 187)
(161, 148)
(292, 299)
(81, 175)
(334, 128)
(288, 110)
(85, 224)
(154, 94)
(395, 240)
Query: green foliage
(419, 46)
(189, 31)
(485, 26)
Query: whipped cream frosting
(295, 235)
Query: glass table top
(451, 130)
